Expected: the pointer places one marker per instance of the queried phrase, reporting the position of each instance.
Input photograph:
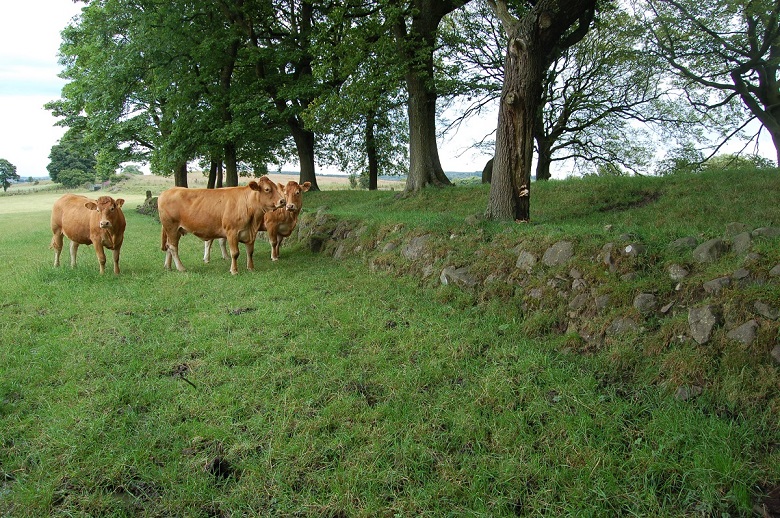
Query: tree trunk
(304, 143)
(544, 159)
(371, 153)
(416, 44)
(424, 165)
(511, 187)
(231, 165)
(180, 175)
(212, 175)
(215, 174)
(487, 172)
(533, 42)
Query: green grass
(323, 389)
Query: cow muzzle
(105, 224)
(291, 207)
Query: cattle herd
(231, 215)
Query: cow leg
(116, 260)
(250, 250)
(101, 255)
(74, 247)
(207, 250)
(172, 250)
(234, 252)
(275, 248)
(274, 239)
(56, 243)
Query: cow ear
(91, 205)
(281, 186)
(305, 186)
(254, 185)
(120, 202)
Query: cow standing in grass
(278, 223)
(88, 222)
(231, 213)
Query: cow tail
(164, 240)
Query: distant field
(19, 198)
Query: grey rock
(776, 354)
(622, 326)
(458, 276)
(775, 272)
(732, 229)
(766, 311)
(702, 321)
(686, 393)
(602, 302)
(766, 232)
(559, 254)
(710, 250)
(634, 249)
(684, 243)
(579, 302)
(715, 285)
(607, 257)
(416, 247)
(677, 272)
(575, 273)
(645, 303)
(667, 307)
(744, 334)
(741, 243)
(741, 277)
(389, 247)
(526, 261)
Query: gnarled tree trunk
(533, 42)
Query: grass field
(314, 387)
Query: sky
(29, 41)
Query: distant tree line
(361, 84)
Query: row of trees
(247, 83)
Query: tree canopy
(241, 85)
(725, 55)
(7, 173)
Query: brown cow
(88, 222)
(278, 223)
(233, 213)
(281, 222)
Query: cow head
(293, 194)
(271, 195)
(107, 207)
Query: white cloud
(29, 42)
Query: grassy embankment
(314, 387)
